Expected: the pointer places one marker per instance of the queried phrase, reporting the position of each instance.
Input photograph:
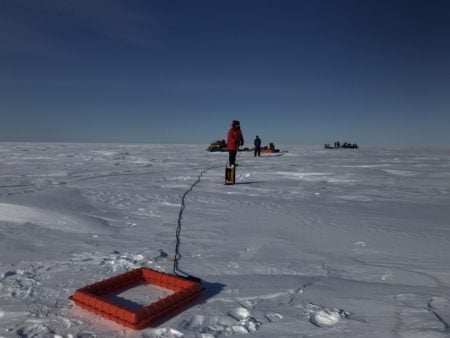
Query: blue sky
(293, 72)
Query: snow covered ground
(313, 243)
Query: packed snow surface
(309, 243)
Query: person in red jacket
(235, 140)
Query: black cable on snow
(176, 270)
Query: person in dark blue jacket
(257, 144)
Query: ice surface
(317, 243)
(139, 296)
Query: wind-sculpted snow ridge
(309, 244)
(20, 214)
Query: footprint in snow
(273, 317)
(326, 317)
(240, 313)
(233, 265)
(359, 247)
(165, 333)
(246, 322)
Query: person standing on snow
(257, 144)
(235, 140)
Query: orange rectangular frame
(92, 297)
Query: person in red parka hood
(235, 140)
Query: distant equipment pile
(338, 145)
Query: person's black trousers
(232, 157)
(257, 151)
